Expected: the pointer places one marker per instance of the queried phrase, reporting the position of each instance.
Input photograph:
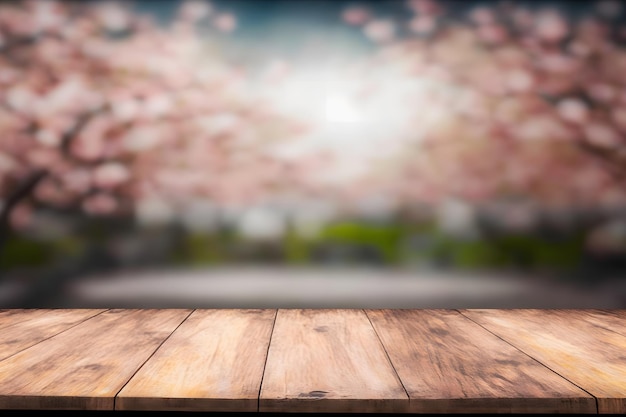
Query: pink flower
(157, 106)
(48, 15)
(492, 33)
(618, 114)
(21, 98)
(49, 192)
(225, 22)
(519, 81)
(573, 110)
(17, 21)
(78, 180)
(21, 217)
(142, 137)
(423, 25)
(48, 137)
(125, 110)
(356, 16)
(100, 204)
(112, 16)
(7, 163)
(579, 48)
(194, 10)
(551, 27)
(482, 16)
(380, 30)
(559, 63)
(602, 92)
(110, 175)
(603, 135)
(43, 158)
(88, 147)
(523, 18)
(425, 7)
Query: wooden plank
(85, 366)
(592, 357)
(328, 361)
(26, 328)
(448, 364)
(10, 317)
(213, 362)
(613, 320)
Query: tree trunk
(19, 194)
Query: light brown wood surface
(11, 317)
(84, 367)
(613, 320)
(449, 364)
(328, 361)
(213, 362)
(26, 328)
(418, 361)
(592, 357)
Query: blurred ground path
(267, 287)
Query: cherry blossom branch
(24, 189)
(615, 169)
(68, 137)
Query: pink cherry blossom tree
(515, 102)
(107, 111)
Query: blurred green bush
(348, 242)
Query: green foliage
(198, 249)
(297, 249)
(21, 252)
(349, 241)
(516, 251)
(68, 247)
(477, 254)
(385, 239)
(558, 254)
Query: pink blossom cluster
(117, 110)
(530, 101)
(122, 114)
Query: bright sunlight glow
(339, 109)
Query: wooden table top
(321, 361)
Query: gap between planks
(531, 357)
(148, 358)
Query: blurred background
(283, 153)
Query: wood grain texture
(213, 362)
(26, 328)
(85, 366)
(328, 361)
(613, 320)
(590, 356)
(449, 364)
(11, 316)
